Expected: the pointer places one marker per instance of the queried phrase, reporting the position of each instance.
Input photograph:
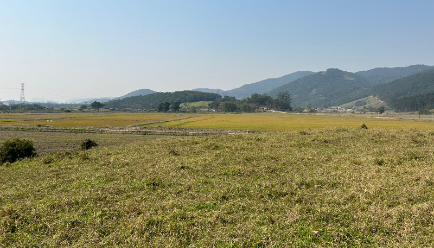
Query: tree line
(231, 104)
(152, 101)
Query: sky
(63, 49)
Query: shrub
(364, 126)
(15, 149)
(87, 144)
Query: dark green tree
(83, 107)
(97, 105)
(176, 106)
(166, 106)
(228, 107)
(283, 101)
(381, 110)
(163, 107)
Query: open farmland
(287, 122)
(322, 181)
(255, 121)
(84, 120)
(326, 187)
(48, 142)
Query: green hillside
(420, 83)
(323, 89)
(385, 75)
(266, 85)
(418, 102)
(260, 87)
(151, 101)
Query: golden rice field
(288, 122)
(253, 121)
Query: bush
(13, 150)
(87, 144)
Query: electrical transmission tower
(22, 99)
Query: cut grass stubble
(328, 187)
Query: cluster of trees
(152, 101)
(231, 104)
(166, 106)
(250, 104)
(21, 107)
(94, 105)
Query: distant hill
(384, 75)
(421, 83)
(151, 101)
(218, 91)
(324, 89)
(260, 87)
(141, 92)
(266, 85)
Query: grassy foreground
(327, 187)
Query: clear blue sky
(66, 49)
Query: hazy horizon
(64, 50)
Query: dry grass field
(317, 186)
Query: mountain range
(260, 87)
(323, 89)
(332, 87)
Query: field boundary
(139, 129)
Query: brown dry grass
(315, 188)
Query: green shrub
(87, 144)
(15, 149)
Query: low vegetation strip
(85, 120)
(49, 142)
(325, 188)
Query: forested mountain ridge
(420, 102)
(323, 89)
(260, 87)
(417, 84)
(385, 75)
(330, 88)
(266, 85)
(151, 101)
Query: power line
(58, 92)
